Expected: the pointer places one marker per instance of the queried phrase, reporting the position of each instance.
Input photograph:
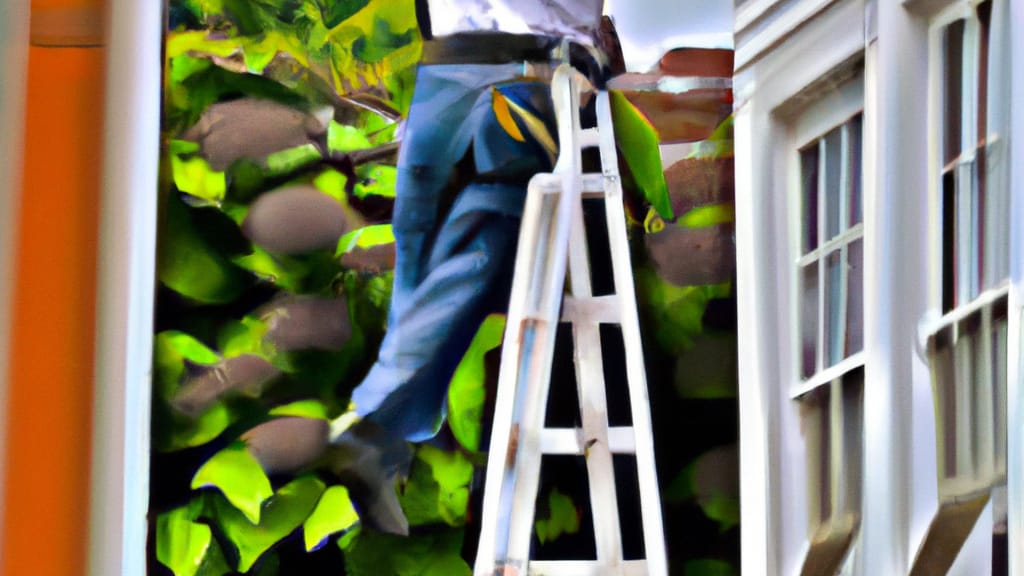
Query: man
(461, 186)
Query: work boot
(367, 460)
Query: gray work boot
(367, 459)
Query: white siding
(127, 272)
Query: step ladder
(552, 240)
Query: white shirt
(573, 18)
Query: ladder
(552, 240)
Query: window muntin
(831, 256)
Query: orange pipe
(46, 494)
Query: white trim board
(127, 271)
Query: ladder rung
(551, 183)
(593, 185)
(600, 309)
(589, 138)
(569, 441)
(585, 568)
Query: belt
(489, 48)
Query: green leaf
(378, 180)
(343, 138)
(333, 513)
(452, 472)
(171, 349)
(723, 509)
(332, 183)
(467, 392)
(177, 147)
(708, 567)
(291, 159)
(181, 544)
(337, 11)
(272, 268)
(708, 216)
(244, 336)
(437, 553)
(205, 428)
(719, 144)
(438, 487)
(365, 237)
(190, 266)
(706, 480)
(237, 474)
(638, 141)
(283, 513)
(195, 177)
(302, 408)
(563, 518)
(674, 312)
(186, 546)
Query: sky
(649, 28)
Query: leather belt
(489, 48)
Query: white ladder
(552, 240)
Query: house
(879, 201)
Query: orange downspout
(45, 502)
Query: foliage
(225, 359)
(340, 72)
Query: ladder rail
(650, 502)
(593, 400)
(532, 320)
(534, 382)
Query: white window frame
(975, 449)
(119, 490)
(794, 47)
(830, 109)
(982, 299)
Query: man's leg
(467, 277)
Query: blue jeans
(455, 247)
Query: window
(833, 421)
(832, 249)
(828, 254)
(967, 346)
(975, 225)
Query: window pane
(833, 166)
(809, 320)
(809, 196)
(952, 97)
(944, 390)
(853, 438)
(854, 176)
(834, 297)
(855, 297)
(949, 240)
(816, 425)
(977, 238)
(984, 22)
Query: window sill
(930, 326)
